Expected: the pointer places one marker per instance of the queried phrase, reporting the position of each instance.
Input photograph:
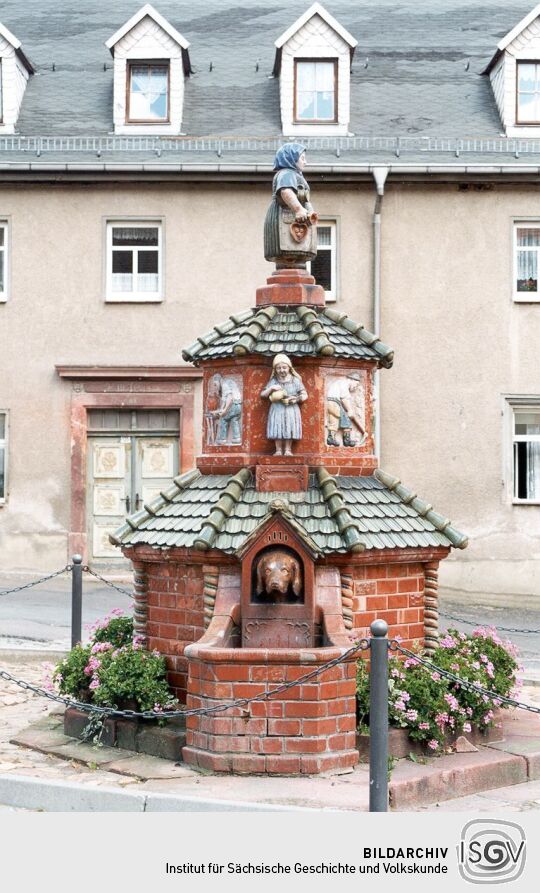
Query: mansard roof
(337, 514)
(297, 331)
(417, 90)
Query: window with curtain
(148, 92)
(528, 93)
(315, 90)
(324, 267)
(3, 455)
(134, 261)
(526, 248)
(526, 454)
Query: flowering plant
(431, 706)
(114, 668)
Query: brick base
(309, 728)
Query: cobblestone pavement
(19, 708)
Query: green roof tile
(339, 514)
(301, 331)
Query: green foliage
(432, 707)
(114, 670)
(118, 631)
(132, 674)
(69, 675)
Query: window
(3, 455)
(528, 93)
(315, 90)
(147, 92)
(3, 260)
(526, 453)
(134, 260)
(324, 267)
(526, 249)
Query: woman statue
(290, 238)
(286, 392)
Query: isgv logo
(491, 851)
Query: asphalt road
(39, 618)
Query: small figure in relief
(224, 411)
(290, 234)
(286, 392)
(342, 411)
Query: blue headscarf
(287, 156)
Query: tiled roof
(338, 514)
(416, 72)
(298, 331)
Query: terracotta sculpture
(290, 236)
(341, 411)
(224, 411)
(279, 573)
(286, 392)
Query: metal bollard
(76, 600)
(378, 718)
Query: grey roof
(338, 514)
(300, 331)
(416, 76)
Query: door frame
(133, 387)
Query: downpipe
(380, 174)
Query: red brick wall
(393, 592)
(175, 615)
(309, 728)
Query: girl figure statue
(286, 392)
(290, 238)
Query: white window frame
(4, 445)
(133, 296)
(524, 297)
(331, 222)
(4, 224)
(515, 404)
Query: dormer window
(514, 72)
(15, 69)
(148, 92)
(315, 90)
(151, 63)
(313, 64)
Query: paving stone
(147, 767)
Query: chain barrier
(502, 629)
(362, 645)
(44, 579)
(92, 573)
(463, 683)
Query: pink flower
(447, 642)
(424, 726)
(410, 662)
(451, 701)
(466, 727)
(94, 684)
(435, 676)
(433, 744)
(441, 719)
(411, 715)
(399, 705)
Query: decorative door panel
(109, 492)
(109, 460)
(157, 460)
(156, 465)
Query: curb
(61, 796)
